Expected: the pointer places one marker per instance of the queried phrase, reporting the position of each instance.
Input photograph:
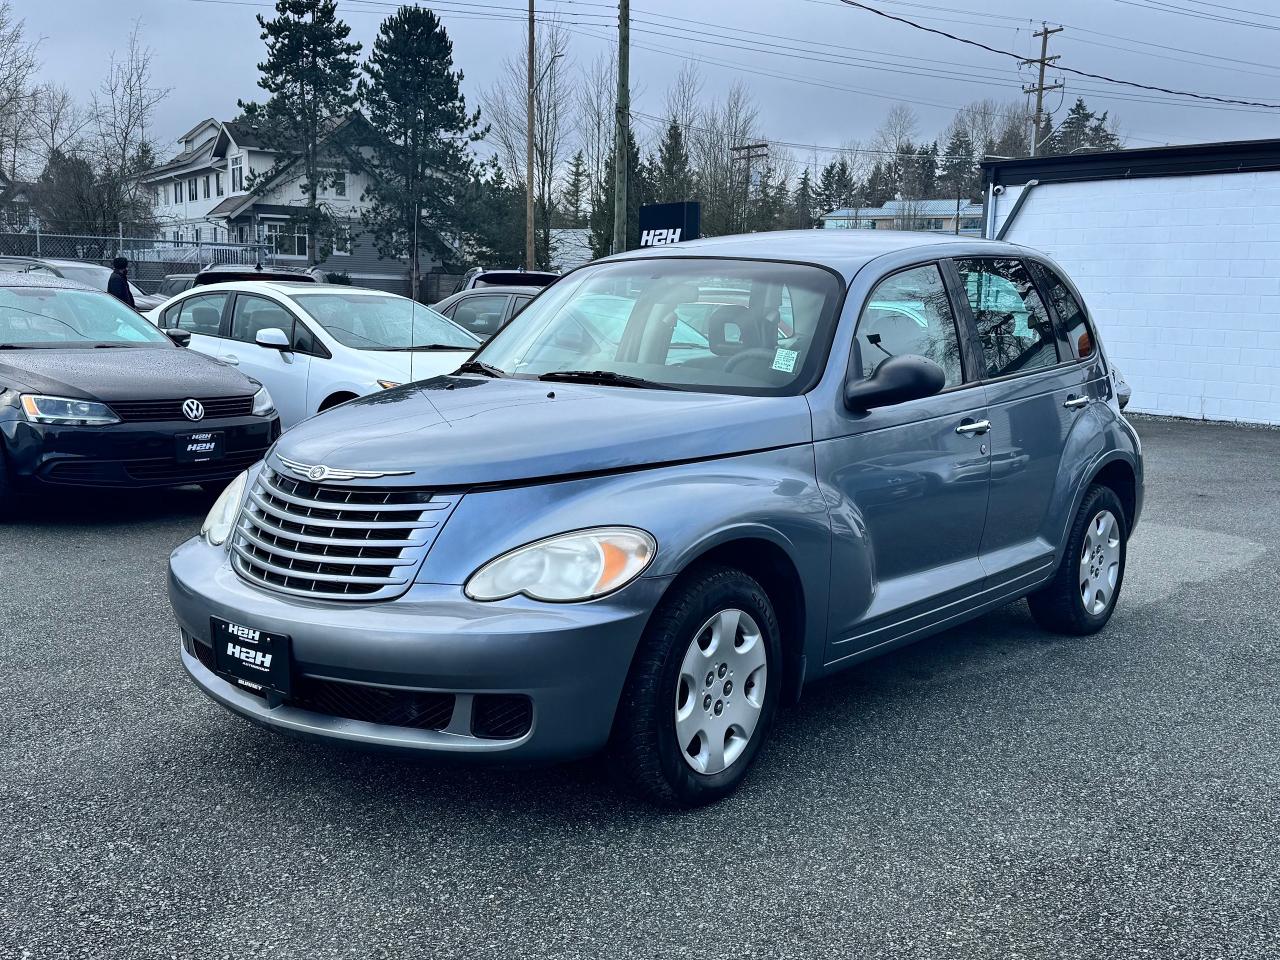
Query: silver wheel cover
(1100, 562)
(720, 691)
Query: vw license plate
(199, 447)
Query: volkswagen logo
(318, 472)
(193, 410)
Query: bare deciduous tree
(722, 126)
(18, 66)
(503, 106)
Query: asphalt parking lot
(991, 792)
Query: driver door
(283, 372)
(908, 482)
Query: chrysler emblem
(193, 410)
(318, 472)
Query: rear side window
(1013, 324)
(481, 315)
(202, 314)
(909, 313)
(1071, 314)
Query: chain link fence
(151, 259)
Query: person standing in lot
(118, 284)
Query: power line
(1083, 73)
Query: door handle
(974, 427)
(230, 358)
(1073, 402)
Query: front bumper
(131, 454)
(569, 660)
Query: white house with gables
(202, 194)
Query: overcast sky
(206, 51)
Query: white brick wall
(1182, 277)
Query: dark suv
(683, 483)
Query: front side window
(368, 321)
(687, 323)
(252, 315)
(201, 314)
(1013, 324)
(47, 317)
(909, 313)
(1070, 313)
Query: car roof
(46, 280)
(844, 251)
(286, 288)
(507, 288)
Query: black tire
(644, 748)
(1059, 606)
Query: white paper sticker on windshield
(785, 360)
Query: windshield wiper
(111, 346)
(605, 377)
(21, 346)
(479, 366)
(433, 346)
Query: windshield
(45, 317)
(90, 274)
(372, 322)
(726, 326)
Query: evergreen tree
(309, 75)
(957, 171)
(412, 96)
(577, 192)
(492, 218)
(602, 202)
(802, 215)
(880, 185)
(769, 202)
(673, 176)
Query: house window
(237, 173)
(340, 183)
(191, 189)
(197, 234)
(206, 186)
(342, 241)
(217, 183)
(285, 241)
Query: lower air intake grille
(419, 709)
(502, 716)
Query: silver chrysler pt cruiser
(680, 485)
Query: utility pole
(621, 128)
(745, 153)
(1039, 89)
(530, 253)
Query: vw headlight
(65, 410)
(582, 565)
(263, 405)
(222, 517)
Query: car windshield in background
(726, 326)
(371, 322)
(90, 274)
(48, 317)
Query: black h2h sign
(662, 223)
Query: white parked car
(316, 345)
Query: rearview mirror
(896, 380)
(272, 337)
(181, 337)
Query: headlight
(263, 405)
(388, 384)
(222, 517)
(80, 413)
(572, 566)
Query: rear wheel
(702, 692)
(1082, 594)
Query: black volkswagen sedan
(91, 394)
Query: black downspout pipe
(1017, 206)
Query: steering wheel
(747, 356)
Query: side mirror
(898, 379)
(273, 337)
(181, 337)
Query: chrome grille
(336, 541)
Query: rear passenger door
(201, 316)
(1035, 392)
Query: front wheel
(702, 692)
(1082, 594)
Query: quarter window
(1013, 324)
(909, 313)
(1070, 314)
(202, 314)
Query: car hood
(127, 373)
(463, 431)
